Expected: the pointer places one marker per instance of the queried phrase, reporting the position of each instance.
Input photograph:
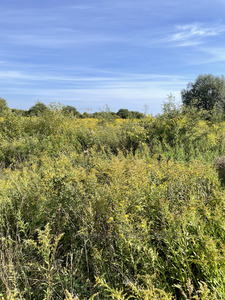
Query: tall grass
(125, 209)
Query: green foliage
(70, 110)
(105, 115)
(137, 115)
(123, 113)
(126, 114)
(3, 106)
(110, 208)
(37, 109)
(19, 112)
(85, 115)
(206, 92)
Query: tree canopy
(37, 109)
(123, 113)
(70, 110)
(207, 92)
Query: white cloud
(195, 30)
(108, 77)
(117, 89)
(194, 34)
(188, 35)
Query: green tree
(123, 113)
(70, 110)
(37, 109)
(207, 92)
(86, 115)
(137, 115)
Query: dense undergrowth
(112, 209)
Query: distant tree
(86, 115)
(113, 114)
(137, 115)
(123, 113)
(37, 109)
(70, 110)
(19, 112)
(3, 106)
(207, 92)
(104, 115)
(97, 115)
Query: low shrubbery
(112, 209)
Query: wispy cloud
(102, 87)
(194, 34)
(188, 35)
(215, 54)
(196, 30)
(98, 52)
(55, 40)
(104, 78)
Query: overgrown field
(112, 209)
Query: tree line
(206, 93)
(68, 110)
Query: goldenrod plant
(112, 209)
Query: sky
(93, 54)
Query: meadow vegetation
(110, 208)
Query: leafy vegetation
(207, 92)
(110, 208)
(69, 110)
(37, 109)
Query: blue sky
(123, 53)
